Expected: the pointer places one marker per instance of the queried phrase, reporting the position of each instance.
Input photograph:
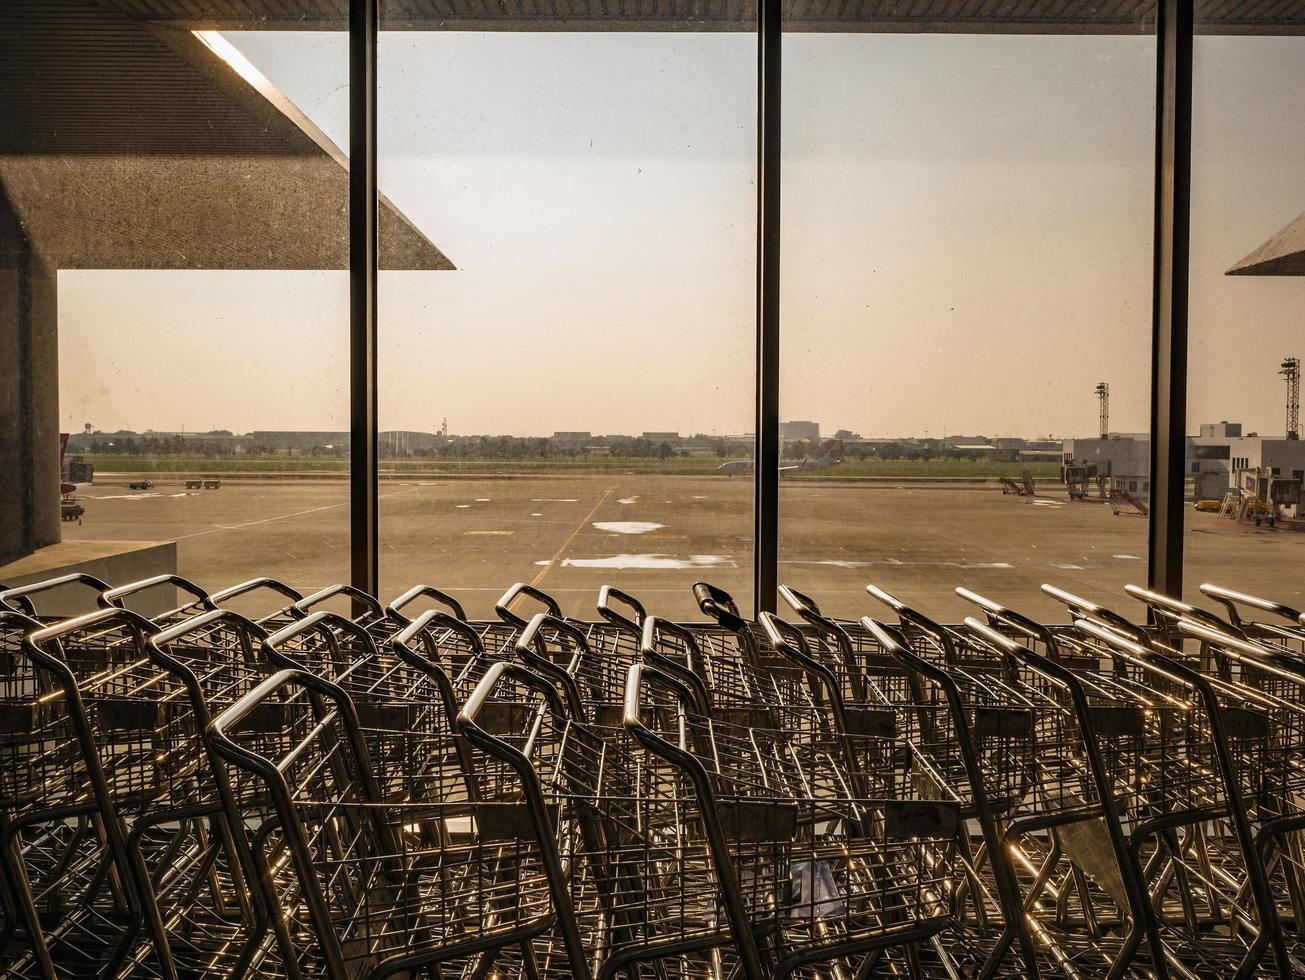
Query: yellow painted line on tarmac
(570, 539)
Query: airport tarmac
(653, 536)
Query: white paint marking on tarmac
(656, 562)
(628, 500)
(280, 517)
(554, 500)
(487, 532)
(482, 500)
(897, 562)
(536, 514)
(628, 527)
(1070, 568)
(699, 497)
(130, 496)
(463, 506)
(1129, 557)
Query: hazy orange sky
(967, 225)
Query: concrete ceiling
(904, 16)
(1281, 255)
(128, 144)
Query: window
(967, 224)
(568, 401)
(1247, 297)
(186, 228)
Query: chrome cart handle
(423, 592)
(437, 619)
(323, 623)
(504, 605)
(253, 585)
(1231, 600)
(8, 596)
(719, 605)
(111, 597)
(357, 595)
(632, 624)
(1175, 609)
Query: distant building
(661, 436)
(1214, 459)
(847, 435)
(572, 436)
(800, 431)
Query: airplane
(832, 457)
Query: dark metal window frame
(1174, 31)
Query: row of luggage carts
(343, 789)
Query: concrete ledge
(115, 562)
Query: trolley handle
(530, 641)
(440, 620)
(632, 624)
(1245, 651)
(686, 673)
(1087, 609)
(21, 603)
(801, 604)
(654, 626)
(1231, 600)
(719, 605)
(159, 642)
(356, 594)
(788, 640)
(97, 619)
(1057, 673)
(917, 619)
(53, 662)
(423, 592)
(1175, 609)
(8, 596)
(996, 612)
(253, 585)
(221, 728)
(319, 622)
(111, 597)
(504, 605)
(905, 656)
(1124, 648)
(639, 676)
(531, 648)
(467, 717)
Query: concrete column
(29, 392)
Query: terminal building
(1220, 458)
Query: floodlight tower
(1290, 370)
(1103, 396)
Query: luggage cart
(800, 883)
(1172, 781)
(371, 888)
(1189, 810)
(64, 848)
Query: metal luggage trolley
(721, 816)
(66, 886)
(1273, 784)
(371, 886)
(98, 743)
(998, 727)
(1191, 802)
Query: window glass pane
(967, 224)
(1246, 459)
(175, 234)
(558, 397)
